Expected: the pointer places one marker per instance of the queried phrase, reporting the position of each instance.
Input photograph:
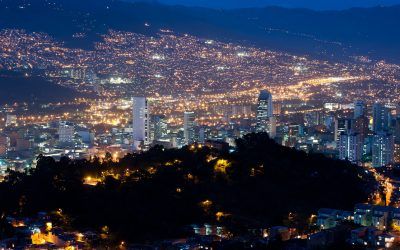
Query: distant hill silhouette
(373, 31)
(310, 4)
(15, 87)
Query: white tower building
(140, 123)
(188, 127)
(265, 112)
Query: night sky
(312, 4)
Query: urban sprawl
(177, 90)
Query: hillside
(320, 33)
(256, 186)
(15, 87)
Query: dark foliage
(156, 194)
(18, 88)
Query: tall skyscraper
(382, 149)
(380, 118)
(188, 127)
(140, 123)
(277, 110)
(272, 125)
(159, 127)
(264, 111)
(359, 109)
(397, 130)
(66, 132)
(360, 126)
(4, 144)
(202, 135)
(342, 125)
(351, 147)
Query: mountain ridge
(309, 4)
(17, 87)
(298, 31)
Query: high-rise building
(359, 109)
(277, 109)
(188, 127)
(380, 118)
(272, 124)
(291, 134)
(202, 135)
(11, 120)
(159, 127)
(4, 144)
(382, 149)
(329, 122)
(66, 132)
(313, 118)
(360, 126)
(396, 154)
(350, 147)
(238, 110)
(140, 123)
(397, 130)
(342, 125)
(264, 111)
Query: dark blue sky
(312, 4)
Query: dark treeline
(16, 87)
(156, 194)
